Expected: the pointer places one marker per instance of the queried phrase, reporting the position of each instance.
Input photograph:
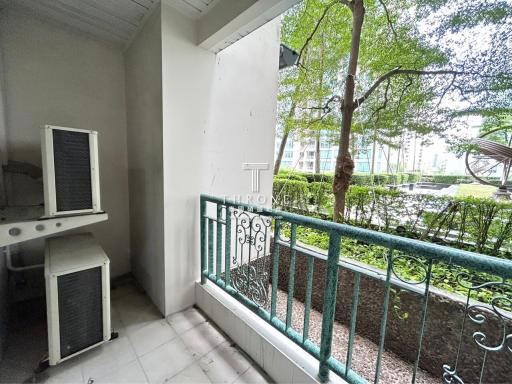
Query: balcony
(182, 94)
(254, 255)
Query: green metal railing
(241, 252)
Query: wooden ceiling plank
(48, 8)
(78, 26)
(129, 10)
(81, 8)
(144, 3)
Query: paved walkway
(394, 369)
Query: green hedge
(482, 225)
(357, 178)
(454, 179)
(447, 179)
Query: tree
(406, 58)
(312, 80)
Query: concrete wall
(187, 81)
(4, 314)
(3, 268)
(55, 76)
(145, 157)
(218, 112)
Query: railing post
(202, 223)
(331, 286)
(227, 249)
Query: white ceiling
(117, 21)
(114, 21)
(193, 8)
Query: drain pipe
(12, 268)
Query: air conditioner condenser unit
(70, 171)
(77, 295)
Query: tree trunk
(374, 148)
(284, 140)
(317, 152)
(397, 170)
(388, 161)
(279, 158)
(344, 163)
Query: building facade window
(326, 166)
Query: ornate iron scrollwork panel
(480, 314)
(249, 273)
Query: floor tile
(122, 290)
(253, 376)
(202, 339)
(166, 361)
(107, 358)
(115, 322)
(183, 321)
(192, 374)
(224, 364)
(149, 349)
(136, 311)
(130, 373)
(150, 336)
(67, 372)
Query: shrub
(479, 224)
(414, 177)
(447, 179)
(320, 177)
(291, 193)
(291, 175)
(361, 179)
(380, 179)
(321, 197)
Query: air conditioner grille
(72, 170)
(80, 310)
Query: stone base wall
(442, 331)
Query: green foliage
(290, 175)
(453, 179)
(476, 36)
(447, 179)
(476, 224)
(378, 179)
(291, 193)
(444, 276)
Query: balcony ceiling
(193, 8)
(114, 21)
(117, 21)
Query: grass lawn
(475, 190)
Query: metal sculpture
(491, 153)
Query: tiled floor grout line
(242, 373)
(135, 352)
(196, 359)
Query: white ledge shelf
(16, 225)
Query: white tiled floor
(184, 348)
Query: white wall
(218, 112)
(187, 74)
(242, 115)
(55, 76)
(145, 157)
